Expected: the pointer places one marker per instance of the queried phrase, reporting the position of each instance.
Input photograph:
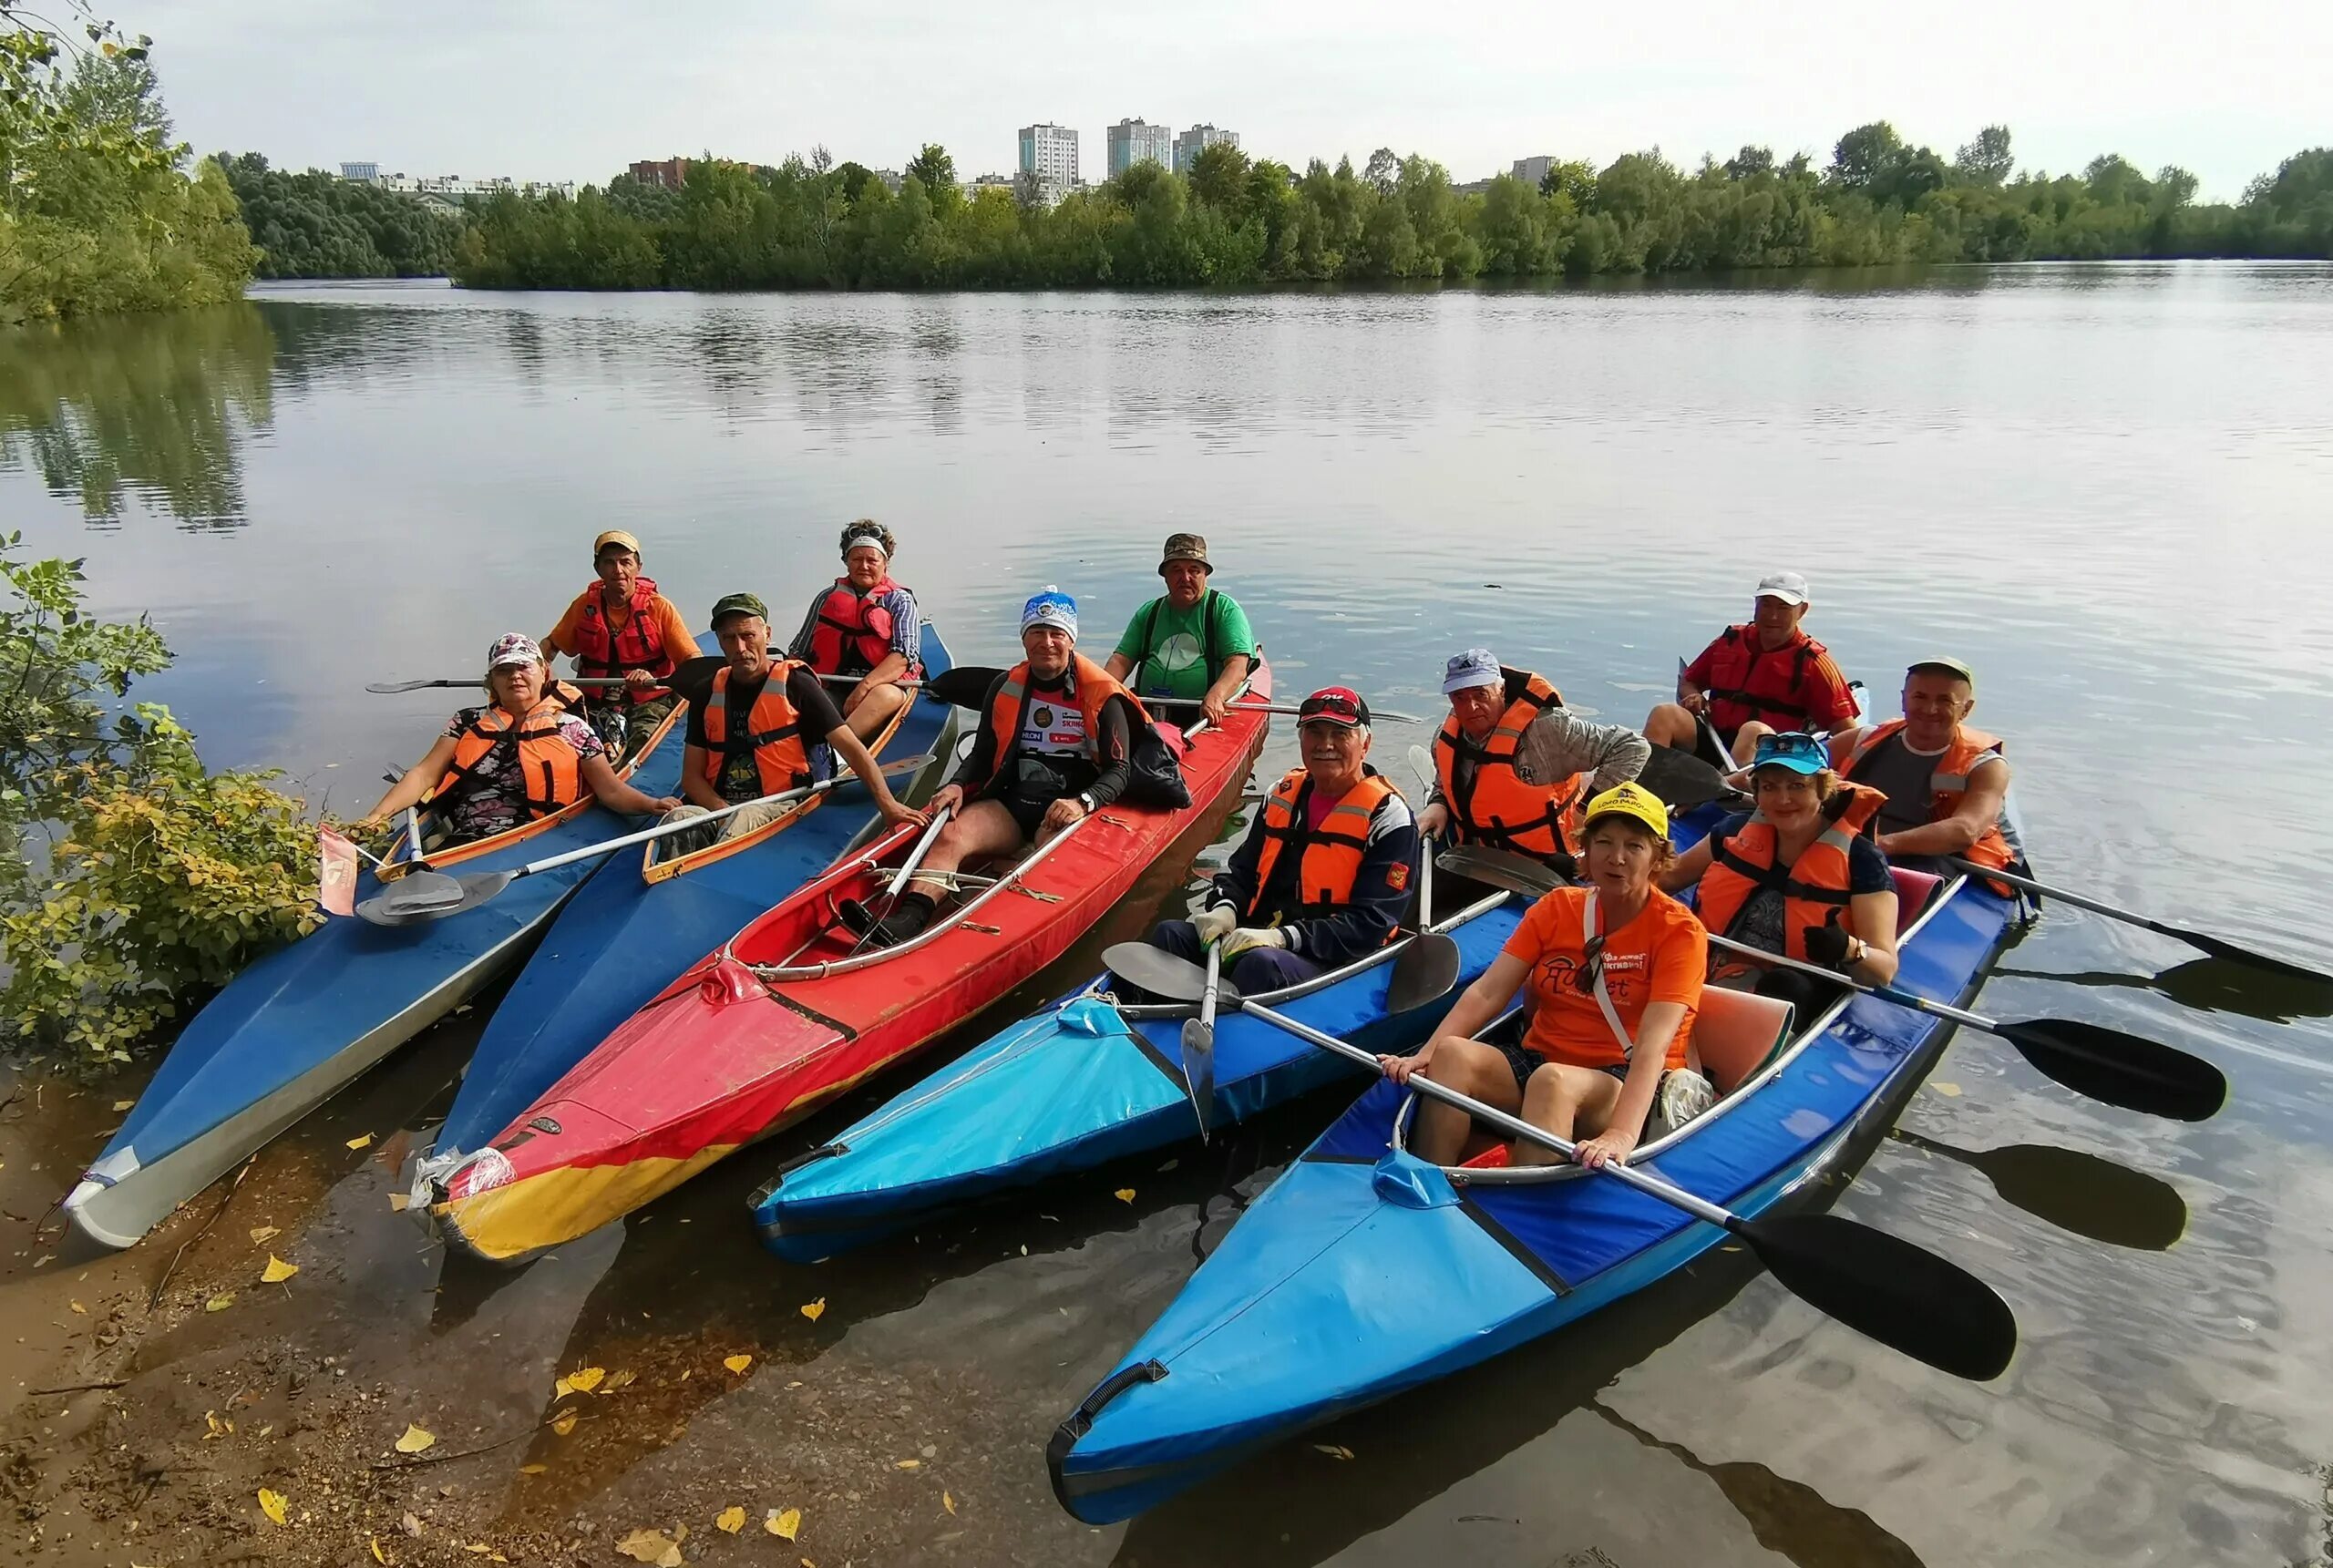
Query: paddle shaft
(2078, 900)
(915, 857)
(1884, 993)
(1214, 985)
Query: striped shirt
(907, 626)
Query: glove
(1213, 925)
(1247, 937)
(1827, 945)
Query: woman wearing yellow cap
(1613, 971)
(621, 628)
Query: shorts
(1032, 790)
(1523, 1062)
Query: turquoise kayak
(1314, 1306)
(1085, 1082)
(643, 918)
(300, 1023)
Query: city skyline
(428, 86)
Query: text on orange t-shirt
(679, 642)
(1660, 956)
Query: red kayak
(784, 1016)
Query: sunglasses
(1794, 744)
(1331, 708)
(1591, 968)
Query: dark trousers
(1257, 970)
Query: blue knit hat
(1051, 606)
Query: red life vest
(852, 633)
(1969, 749)
(772, 732)
(550, 776)
(1094, 689)
(1498, 808)
(601, 652)
(1330, 855)
(1815, 887)
(1746, 682)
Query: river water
(2107, 488)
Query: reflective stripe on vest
(1329, 857)
(1498, 807)
(1816, 887)
(1947, 782)
(772, 732)
(852, 632)
(603, 653)
(549, 774)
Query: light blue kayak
(297, 1025)
(624, 938)
(1085, 1082)
(1363, 1271)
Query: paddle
(1901, 1295)
(2117, 1069)
(966, 686)
(391, 688)
(2218, 948)
(2074, 1191)
(1198, 1042)
(392, 907)
(1683, 780)
(864, 920)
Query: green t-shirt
(1170, 646)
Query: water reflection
(2213, 985)
(2075, 1190)
(145, 408)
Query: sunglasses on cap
(1792, 748)
(1334, 706)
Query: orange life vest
(852, 632)
(1330, 855)
(1094, 689)
(772, 732)
(1946, 783)
(1498, 808)
(1815, 887)
(549, 774)
(602, 653)
(1753, 683)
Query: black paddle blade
(1499, 868)
(1198, 1070)
(1904, 1297)
(1160, 973)
(964, 686)
(2219, 948)
(2119, 1069)
(1426, 969)
(1682, 780)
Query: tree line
(811, 223)
(316, 225)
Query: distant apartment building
(1198, 139)
(671, 173)
(456, 188)
(1049, 154)
(363, 173)
(1532, 170)
(1133, 140)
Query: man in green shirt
(1190, 643)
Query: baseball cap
(513, 648)
(739, 604)
(1184, 546)
(614, 536)
(1944, 665)
(1794, 749)
(1787, 586)
(1333, 705)
(1051, 606)
(1629, 800)
(1474, 667)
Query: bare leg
(984, 827)
(870, 713)
(1560, 1098)
(1746, 738)
(1671, 724)
(1471, 1067)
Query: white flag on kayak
(336, 875)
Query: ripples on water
(2103, 486)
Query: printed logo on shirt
(1398, 877)
(1177, 653)
(1625, 974)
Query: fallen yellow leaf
(737, 1363)
(563, 1422)
(532, 1469)
(585, 1381)
(123, 1104)
(78, 1308)
(415, 1439)
(375, 1543)
(277, 1271)
(264, 1233)
(272, 1504)
(785, 1525)
(731, 1521)
(361, 1140)
(399, 1202)
(917, 1463)
(1334, 1450)
(1950, 1091)
(814, 1310)
(617, 1380)
(948, 1503)
(1126, 1194)
(219, 1428)
(652, 1546)
(220, 1301)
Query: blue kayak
(303, 1022)
(625, 936)
(1086, 1082)
(1363, 1271)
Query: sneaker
(1683, 1095)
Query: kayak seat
(1913, 891)
(1735, 1034)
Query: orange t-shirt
(1658, 956)
(678, 641)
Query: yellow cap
(1629, 800)
(614, 536)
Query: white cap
(1787, 586)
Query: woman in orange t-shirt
(1574, 1070)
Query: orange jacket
(602, 653)
(1499, 809)
(550, 771)
(1331, 854)
(773, 730)
(1949, 780)
(1815, 887)
(1095, 688)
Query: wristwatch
(1087, 801)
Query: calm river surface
(2109, 488)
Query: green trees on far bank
(1234, 220)
(316, 225)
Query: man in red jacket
(1762, 677)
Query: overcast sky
(579, 88)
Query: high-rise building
(1132, 141)
(1049, 157)
(1192, 142)
(1532, 170)
(364, 172)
